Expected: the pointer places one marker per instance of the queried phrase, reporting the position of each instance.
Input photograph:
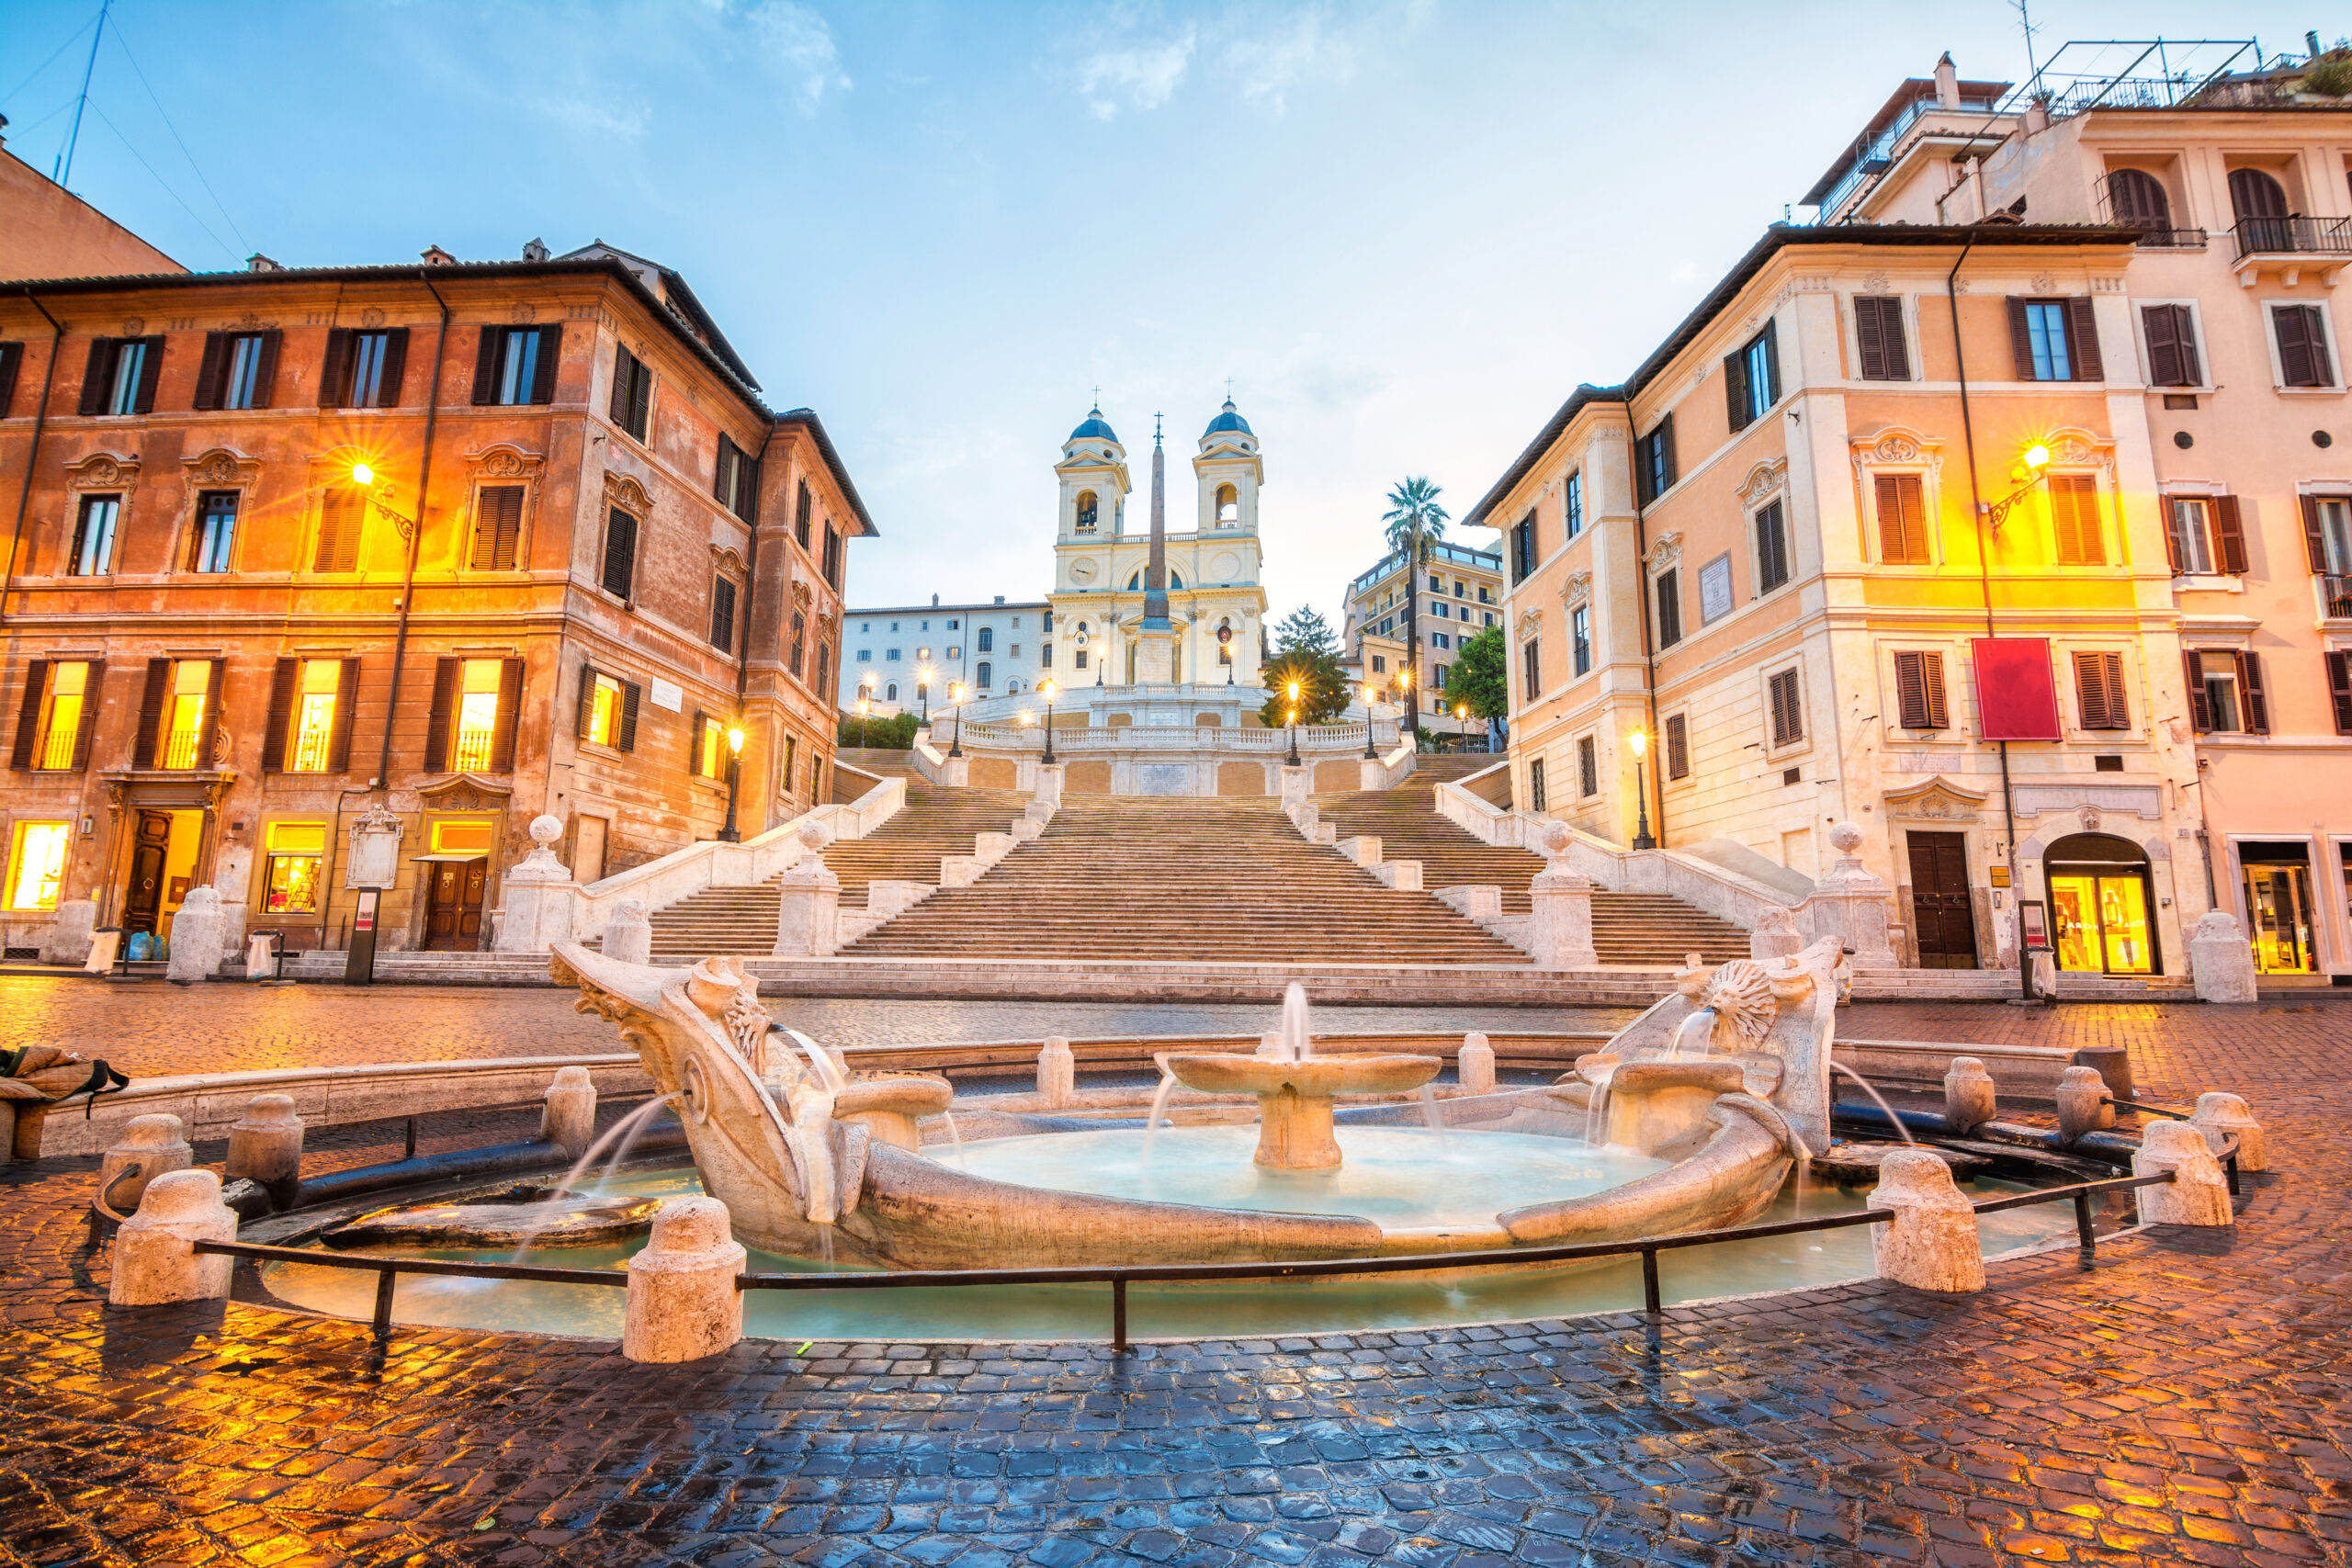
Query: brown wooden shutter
(640, 402)
(510, 713)
(747, 487)
(342, 513)
(550, 354)
(486, 356)
(630, 693)
(1666, 444)
(694, 744)
(281, 715)
(12, 362)
(334, 372)
(1898, 349)
(212, 714)
(2118, 710)
(620, 554)
(388, 384)
(1911, 691)
(1870, 338)
(446, 673)
(722, 478)
(265, 372)
(2167, 505)
(20, 753)
(2229, 534)
(96, 375)
(2201, 703)
(2020, 338)
(2339, 690)
(2297, 363)
(93, 692)
(2161, 324)
(498, 525)
(800, 520)
(1901, 525)
(2253, 703)
(151, 712)
(1932, 682)
(1678, 747)
(209, 370)
(2082, 341)
(149, 369)
(2090, 692)
(1735, 388)
(2074, 507)
(624, 372)
(1780, 710)
(587, 701)
(2314, 540)
(2192, 368)
(346, 696)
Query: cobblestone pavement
(2184, 1400)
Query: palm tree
(1412, 520)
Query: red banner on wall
(2017, 697)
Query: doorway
(2279, 908)
(1943, 917)
(453, 905)
(588, 850)
(2100, 906)
(162, 866)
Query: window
(1439, 640)
(608, 710)
(1678, 746)
(1485, 597)
(1587, 767)
(1670, 608)
(1879, 342)
(709, 746)
(2259, 203)
(1788, 712)
(343, 515)
(1902, 520)
(1489, 618)
(2074, 520)
(1752, 376)
(290, 877)
(1379, 664)
(215, 530)
(1089, 511)
(2303, 356)
(498, 527)
(516, 365)
(1714, 589)
(632, 393)
(237, 370)
(2054, 340)
(1654, 461)
(722, 614)
(187, 714)
(1580, 637)
(1015, 650)
(1920, 690)
(988, 639)
(2098, 691)
(797, 645)
(1530, 669)
(362, 370)
(1044, 656)
(2172, 345)
(620, 554)
(60, 709)
(1536, 801)
(832, 555)
(2225, 694)
(2136, 200)
(121, 375)
(985, 682)
(1771, 549)
(824, 665)
(866, 656)
(737, 481)
(318, 695)
(36, 863)
(1461, 589)
(893, 694)
(2339, 690)
(2190, 535)
(1437, 583)
(2327, 538)
(12, 359)
(93, 553)
(892, 654)
(800, 519)
(1572, 503)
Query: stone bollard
(266, 1146)
(195, 938)
(629, 935)
(683, 1304)
(156, 1145)
(1931, 1243)
(2197, 1195)
(1559, 928)
(2083, 1105)
(2221, 961)
(155, 1260)
(1056, 1071)
(1969, 1099)
(1475, 1067)
(568, 1120)
(69, 932)
(2222, 1117)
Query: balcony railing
(2172, 239)
(2291, 236)
(2335, 596)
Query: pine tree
(1304, 630)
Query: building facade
(996, 650)
(443, 548)
(1460, 594)
(51, 232)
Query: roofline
(1906, 92)
(1777, 238)
(816, 427)
(926, 609)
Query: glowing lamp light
(1049, 688)
(361, 474)
(2037, 456)
(1294, 690)
(1639, 742)
(1028, 718)
(735, 738)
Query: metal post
(408, 1149)
(956, 748)
(734, 770)
(384, 1282)
(1642, 840)
(1050, 731)
(1649, 1282)
(1119, 1316)
(2083, 1232)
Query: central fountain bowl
(1294, 1096)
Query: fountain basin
(1294, 1095)
(516, 1214)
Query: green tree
(895, 733)
(1304, 630)
(1322, 687)
(1413, 520)
(1477, 677)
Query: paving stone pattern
(2184, 1401)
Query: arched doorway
(2103, 906)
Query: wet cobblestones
(2182, 1401)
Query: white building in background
(995, 649)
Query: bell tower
(1228, 474)
(1093, 475)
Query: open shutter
(1666, 444)
(388, 384)
(2020, 339)
(1931, 672)
(2229, 534)
(92, 703)
(265, 372)
(550, 352)
(2118, 711)
(2173, 523)
(346, 692)
(2184, 332)
(1870, 338)
(2201, 703)
(2090, 692)
(2314, 541)
(12, 361)
(486, 356)
(94, 376)
(694, 743)
(1772, 362)
(208, 370)
(623, 375)
(281, 715)
(446, 675)
(334, 373)
(2162, 327)
(722, 478)
(1898, 350)
(2082, 341)
(151, 712)
(630, 691)
(212, 714)
(1735, 388)
(150, 368)
(20, 753)
(1911, 689)
(2253, 704)
(587, 701)
(2339, 690)
(640, 402)
(748, 487)
(2298, 364)
(510, 711)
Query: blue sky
(1405, 229)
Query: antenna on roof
(62, 170)
(2025, 26)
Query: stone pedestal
(2198, 1194)
(69, 933)
(2221, 961)
(1931, 1243)
(1056, 1071)
(1559, 931)
(156, 1145)
(1851, 905)
(683, 1304)
(569, 1117)
(1049, 786)
(629, 935)
(1295, 789)
(155, 1259)
(541, 905)
(1969, 1099)
(195, 938)
(265, 1147)
(808, 902)
(2222, 1117)
(2083, 1104)
(1774, 935)
(1155, 655)
(1475, 1067)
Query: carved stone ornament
(1763, 480)
(2088, 818)
(2044, 283)
(134, 326)
(1577, 590)
(2076, 448)
(375, 853)
(1895, 449)
(1935, 800)
(505, 462)
(1875, 283)
(1743, 1003)
(464, 791)
(251, 321)
(727, 560)
(827, 619)
(371, 317)
(102, 470)
(801, 592)
(627, 494)
(222, 469)
(1529, 624)
(521, 312)
(1665, 551)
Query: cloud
(597, 117)
(800, 45)
(1142, 76)
(1265, 62)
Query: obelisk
(1156, 638)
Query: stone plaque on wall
(375, 858)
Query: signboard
(2000, 876)
(364, 919)
(1714, 589)
(2017, 697)
(666, 694)
(2035, 923)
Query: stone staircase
(1159, 879)
(1627, 928)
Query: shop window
(36, 863)
(295, 851)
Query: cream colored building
(1460, 594)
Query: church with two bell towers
(1150, 605)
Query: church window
(1228, 505)
(988, 639)
(1089, 511)
(892, 695)
(1081, 658)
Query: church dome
(1228, 420)
(1095, 428)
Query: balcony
(2291, 245)
(2335, 596)
(2172, 239)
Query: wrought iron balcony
(2172, 239)
(2335, 596)
(2294, 236)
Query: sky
(1405, 229)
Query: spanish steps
(1627, 928)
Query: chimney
(260, 263)
(536, 251)
(435, 256)
(2311, 39)
(934, 601)
(1000, 598)
(1947, 83)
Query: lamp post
(1642, 840)
(865, 708)
(955, 695)
(734, 770)
(1292, 757)
(1049, 689)
(1371, 696)
(2037, 464)
(923, 689)
(1404, 700)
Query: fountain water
(1693, 1037)
(1872, 1090)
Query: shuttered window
(1678, 746)
(120, 376)
(341, 518)
(1587, 767)
(832, 555)
(722, 614)
(620, 554)
(1670, 608)
(498, 525)
(1522, 548)
(1788, 714)
(2339, 690)
(514, 366)
(1902, 520)
(608, 710)
(237, 370)
(2054, 340)
(1771, 549)
(800, 515)
(363, 369)
(797, 649)
(12, 361)
(60, 712)
(94, 532)
(1654, 461)
(1531, 671)
(2303, 358)
(1880, 348)
(1920, 690)
(2074, 520)
(632, 392)
(2136, 200)
(736, 480)
(2254, 703)
(1752, 376)
(215, 530)
(2172, 345)
(2098, 691)
(2327, 538)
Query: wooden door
(588, 856)
(143, 903)
(453, 906)
(1941, 915)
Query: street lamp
(1292, 757)
(1049, 689)
(1642, 840)
(955, 695)
(923, 688)
(2036, 462)
(734, 770)
(1371, 696)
